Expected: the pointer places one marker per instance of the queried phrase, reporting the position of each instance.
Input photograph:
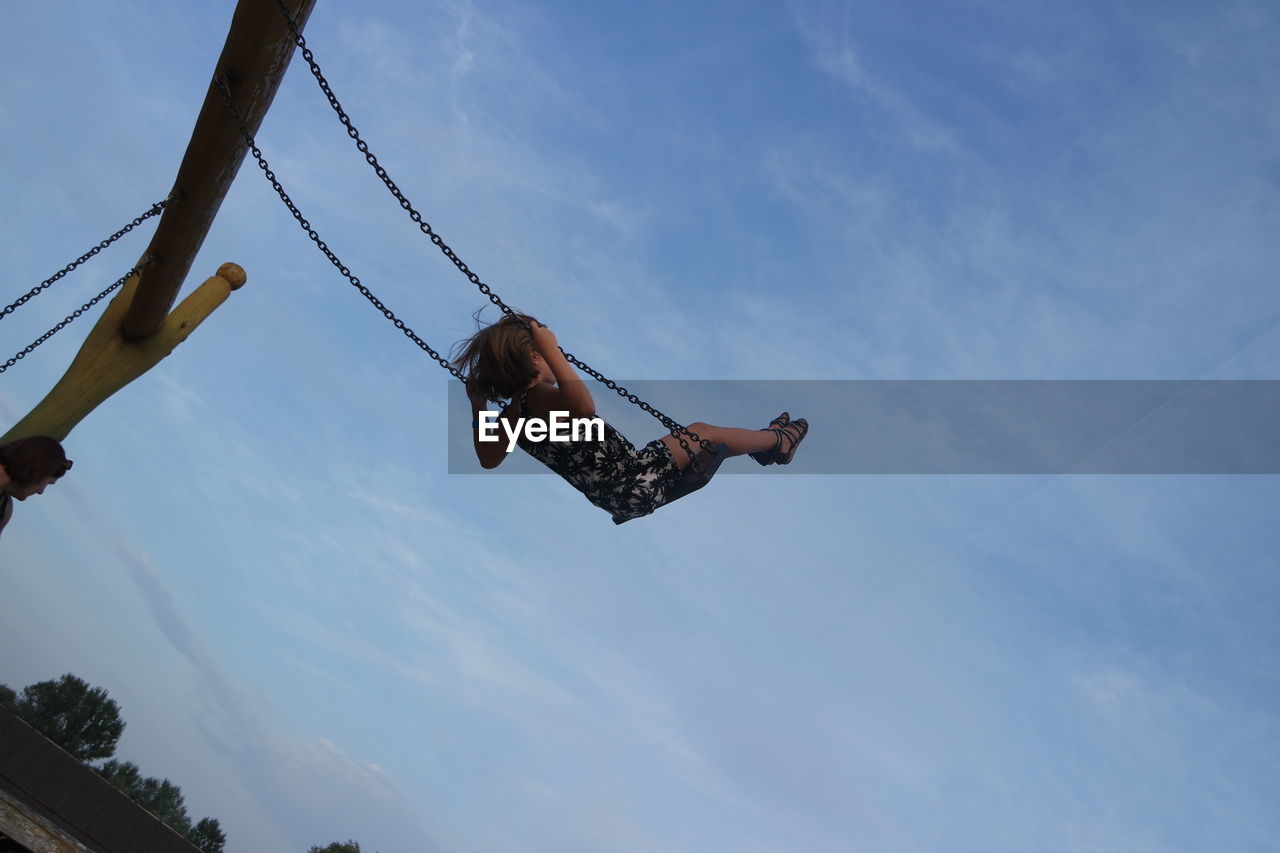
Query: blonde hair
(497, 359)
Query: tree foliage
(159, 796)
(83, 720)
(164, 800)
(337, 847)
(86, 722)
(208, 836)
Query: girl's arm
(574, 395)
(490, 453)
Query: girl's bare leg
(739, 440)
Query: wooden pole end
(233, 274)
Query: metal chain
(22, 300)
(678, 430)
(74, 315)
(321, 244)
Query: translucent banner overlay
(956, 426)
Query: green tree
(337, 847)
(208, 836)
(83, 720)
(86, 722)
(159, 796)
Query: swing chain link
(48, 282)
(676, 429)
(363, 147)
(76, 314)
(320, 243)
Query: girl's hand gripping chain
(555, 369)
(544, 340)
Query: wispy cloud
(826, 28)
(776, 663)
(271, 764)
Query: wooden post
(254, 58)
(137, 330)
(107, 362)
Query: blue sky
(319, 633)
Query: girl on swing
(505, 361)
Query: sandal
(794, 437)
(765, 457)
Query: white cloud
(828, 35)
(268, 764)
(774, 663)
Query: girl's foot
(765, 457)
(789, 438)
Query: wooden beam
(107, 362)
(257, 51)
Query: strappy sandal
(765, 457)
(782, 457)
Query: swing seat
(691, 480)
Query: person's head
(498, 360)
(29, 465)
